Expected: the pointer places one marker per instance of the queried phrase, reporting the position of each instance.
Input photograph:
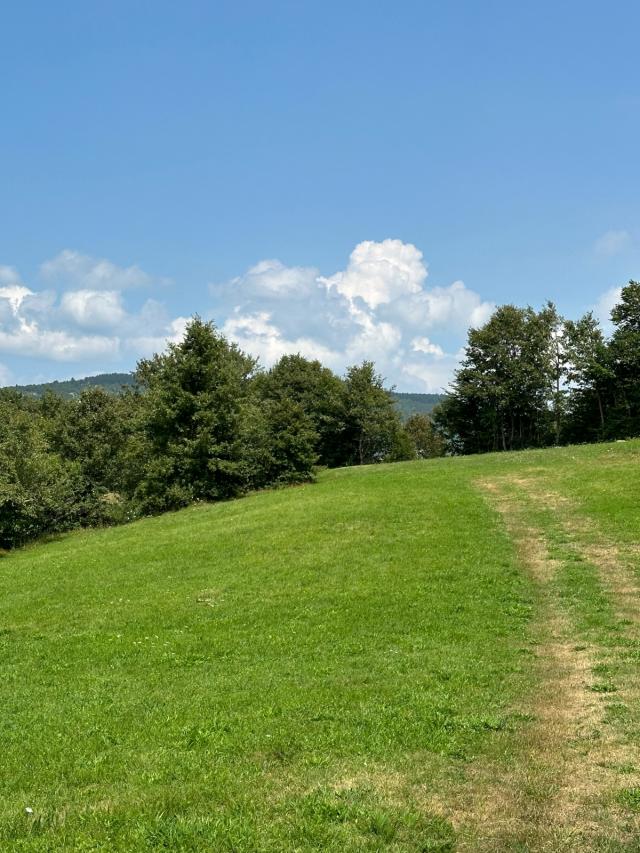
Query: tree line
(532, 378)
(201, 423)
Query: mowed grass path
(372, 662)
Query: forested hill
(408, 404)
(416, 404)
(70, 388)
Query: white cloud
(146, 345)
(15, 294)
(256, 334)
(380, 272)
(431, 377)
(377, 308)
(84, 272)
(177, 328)
(30, 340)
(374, 340)
(5, 376)
(427, 347)
(454, 307)
(273, 278)
(612, 242)
(93, 309)
(603, 307)
(81, 325)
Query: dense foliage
(530, 379)
(202, 422)
(70, 388)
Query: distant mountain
(416, 404)
(408, 404)
(69, 388)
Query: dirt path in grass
(613, 561)
(557, 792)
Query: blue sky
(345, 179)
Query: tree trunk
(558, 406)
(601, 410)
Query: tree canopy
(531, 378)
(201, 422)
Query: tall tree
(373, 429)
(280, 443)
(425, 441)
(625, 357)
(91, 430)
(590, 378)
(194, 394)
(558, 357)
(502, 394)
(319, 393)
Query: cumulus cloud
(380, 272)
(612, 242)
(426, 346)
(454, 308)
(87, 326)
(22, 334)
(431, 375)
(256, 334)
(93, 309)
(272, 278)
(30, 340)
(73, 269)
(377, 308)
(380, 307)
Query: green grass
(315, 668)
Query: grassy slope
(315, 668)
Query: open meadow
(424, 656)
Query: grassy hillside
(426, 656)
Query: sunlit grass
(305, 669)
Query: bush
(39, 491)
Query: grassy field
(428, 656)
